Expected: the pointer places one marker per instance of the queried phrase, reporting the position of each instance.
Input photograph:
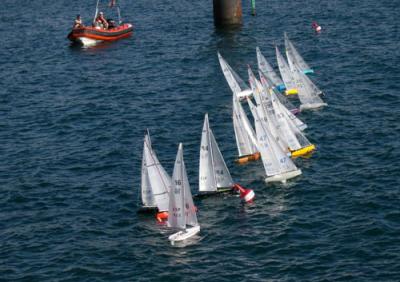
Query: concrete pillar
(227, 12)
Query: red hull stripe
(107, 35)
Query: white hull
(203, 194)
(88, 41)
(244, 94)
(312, 106)
(183, 235)
(283, 177)
(303, 127)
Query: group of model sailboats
(172, 198)
(278, 137)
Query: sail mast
(210, 149)
(183, 185)
(97, 10)
(146, 191)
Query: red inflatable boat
(102, 29)
(91, 35)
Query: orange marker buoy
(246, 195)
(162, 216)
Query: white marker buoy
(316, 27)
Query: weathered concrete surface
(227, 12)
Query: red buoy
(162, 216)
(316, 27)
(247, 195)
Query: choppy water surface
(72, 123)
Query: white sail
(176, 210)
(182, 211)
(268, 84)
(285, 71)
(275, 161)
(147, 193)
(284, 127)
(287, 112)
(293, 64)
(312, 85)
(213, 173)
(290, 59)
(237, 85)
(190, 209)
(222, 174)
(159, 180)
(267, 70)
(293, 136)
(281, 121)
(301, 138)
(207, 178)
(298, 122)
(297, 58)
(266, 111)
(308, 95)
(244, 142)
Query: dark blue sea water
(72, 124)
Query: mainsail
(312, 85)
(266, 111)
(157, 177)
(290, 132)
(146, 191)
(213, 172)
(268, 84)
(280, 125)
(267, 70)
(288, 112)
(182, 211)
(275, 161)
(293, 65)
(207, 179)
(237, 85)
(309, 97)
(285, 71)
(297, 58)
(244, 142)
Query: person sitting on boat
(78, 22)
(101, 20)
(111, 24)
